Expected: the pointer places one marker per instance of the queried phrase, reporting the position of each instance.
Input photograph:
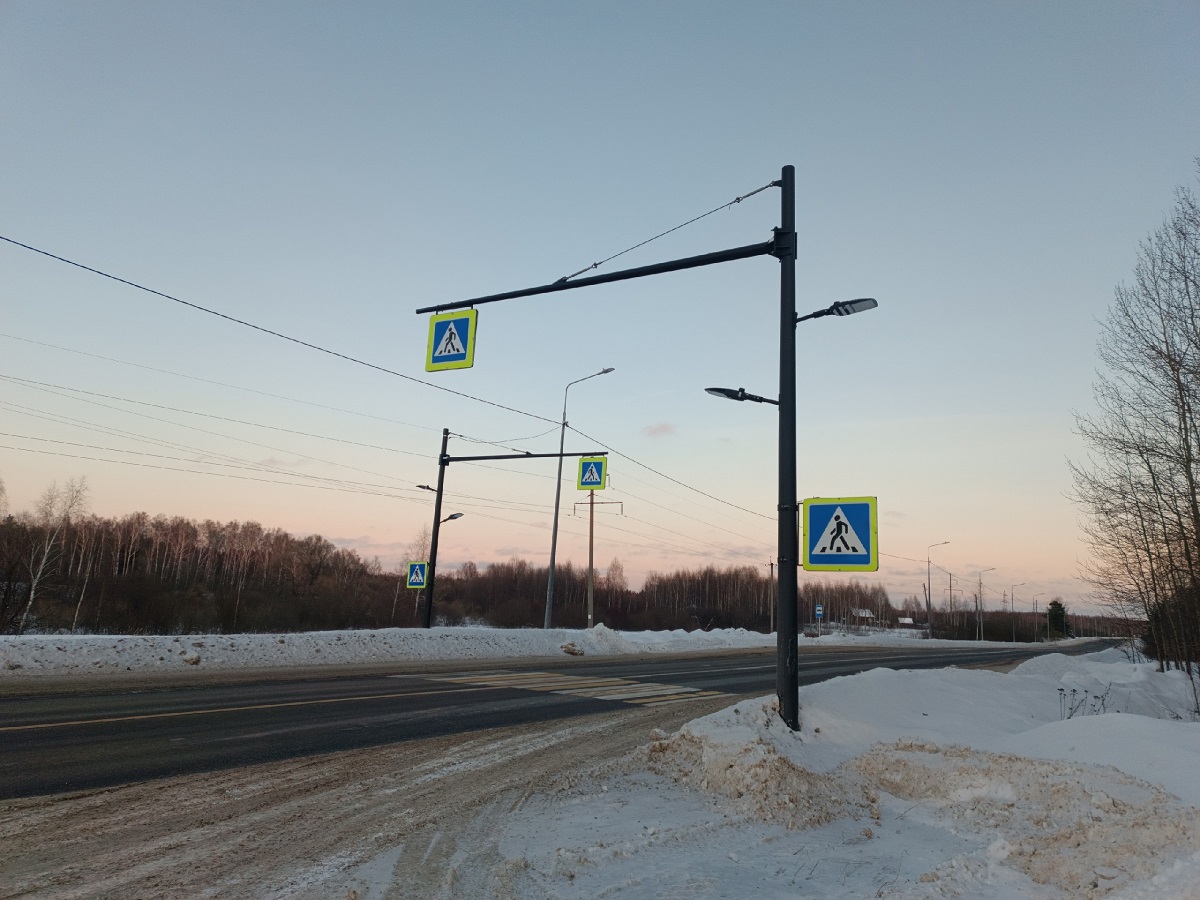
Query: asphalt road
(92, 740)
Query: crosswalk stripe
(619, 690)
(677, 698)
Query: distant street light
(787, 673)
(562, 434)
(1036, 627)
(929, 587)
(1012, 609)
(979, 604)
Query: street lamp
(929, 587)
(979, 605)
(1012, 608)
(562, 434)
(787, 676)
(739, 394)
(1036, 627)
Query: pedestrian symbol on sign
(450, 345)
(840, 528)
(839, 536)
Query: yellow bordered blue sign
(451, 340)
(593, 472)
(841, 534)
(417, 575)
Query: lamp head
(850, 307)
(727, 393)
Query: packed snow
(1069, 776)
(1066, 777)
(81, 655)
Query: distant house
(862, 617)
(905, 622)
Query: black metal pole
(787, 684)
(675, 265)
(443, 461)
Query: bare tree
(53, 513)
(1140, 486)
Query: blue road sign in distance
(592, 471)
(820, 611)
(841, 534)
(417, 574)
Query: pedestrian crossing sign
(841, 534)
(451, 341)
(417, 573)
(593, 470)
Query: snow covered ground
(950, 783)
(1066, 777)
(68, 655)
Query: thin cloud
(662, 429)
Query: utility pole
(591, 541)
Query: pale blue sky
(986, 170)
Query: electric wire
(219, 434)
(278, 334)
(191, 412)
(503, 445)
(174, 445)
(224, 384)
(668, 477)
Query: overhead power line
(668, 477)
(224, 384)
(273, 333)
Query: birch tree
(52, 514)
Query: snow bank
(1030, 796)
(67, 655)
(59, 655)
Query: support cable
(732, 202)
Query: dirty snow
(951, 783)
(68, 655)
(1066, 777)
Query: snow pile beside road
(948, 783)
(66, 655)
(31, 656)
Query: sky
(322, 170)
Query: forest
(65, 570)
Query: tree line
(1139, 487)
(63, 569)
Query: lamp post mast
(443, 461)
(787, 684)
